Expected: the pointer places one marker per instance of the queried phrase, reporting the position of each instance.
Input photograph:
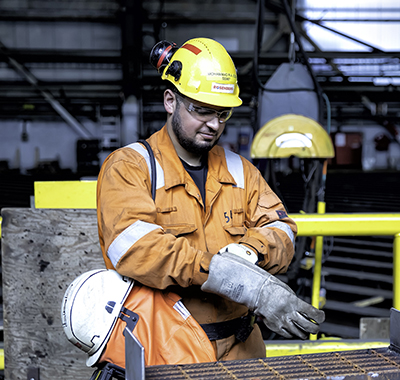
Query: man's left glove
(282, 311)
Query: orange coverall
(170, 335)
(168, 244)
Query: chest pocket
(234, 219)
(166, 216)
(180, 230)
(173, 222)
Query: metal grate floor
(371, 364)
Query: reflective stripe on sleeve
(284, 227)
(159, 171)
(181, 309)
(235, 167)
(127, 238)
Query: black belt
(240, 327)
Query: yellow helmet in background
(200, 69)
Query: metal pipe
(319, 245)
(285, 348)
(55, 104)
(347, 224)
(320, 225)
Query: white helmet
(91, 307)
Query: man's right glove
(243, 282)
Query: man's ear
(169, 101)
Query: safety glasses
(205, 114)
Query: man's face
(195, 135)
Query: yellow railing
(351, 225)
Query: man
(208, 200)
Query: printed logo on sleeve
(281, 214)
(223, 88)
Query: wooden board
(43, 251)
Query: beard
(186, 142)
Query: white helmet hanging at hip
(90, 309)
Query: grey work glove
(282, 311)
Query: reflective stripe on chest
(233, 161)
(159, 171)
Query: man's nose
(214, 123)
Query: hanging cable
(258, 40)
(292, 50)
(328, 113)
(318, 88)
(259, 29)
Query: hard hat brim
(215, 100)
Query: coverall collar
(174, 172)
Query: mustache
(208, 131)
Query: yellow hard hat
(200, 69)
(292, 135)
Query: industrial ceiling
(362, 83)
